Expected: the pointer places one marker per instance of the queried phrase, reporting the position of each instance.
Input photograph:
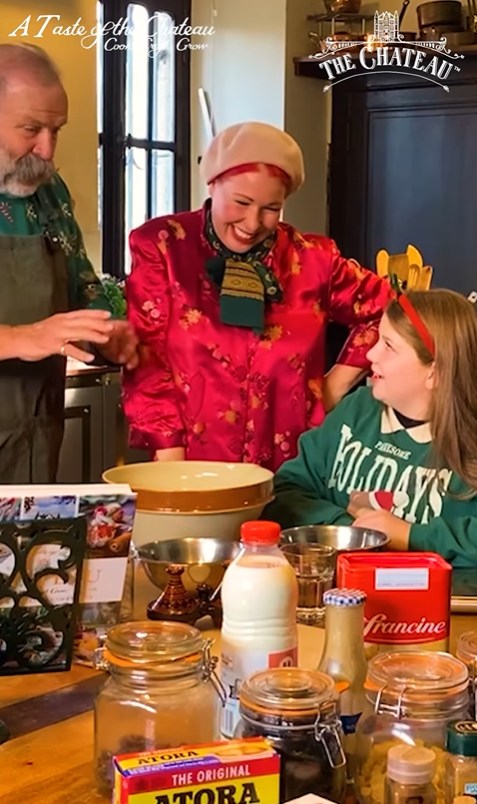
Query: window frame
(114, 140)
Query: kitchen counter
(49, 758)
(75, 368)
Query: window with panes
(143, 120)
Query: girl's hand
(357, 500)
(397, 529)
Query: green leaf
(114, 292)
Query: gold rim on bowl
(193, 501)
(197, 512)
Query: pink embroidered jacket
(223, 392)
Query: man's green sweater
(362, 446)
(51, 208)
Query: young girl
(400, 456)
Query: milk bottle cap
(260, 532)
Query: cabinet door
(404, 170)
(116, 449)
(81, 454)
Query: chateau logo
(386, 50)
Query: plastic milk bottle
(259, 600)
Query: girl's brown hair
(452, 321)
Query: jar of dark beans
(162, 692)
(297, 711)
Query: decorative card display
(108, 511)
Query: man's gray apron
(33, 286)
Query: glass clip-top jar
(467, 652)
(162, 692)
(297, 711)
(411, 696)
(416, 683)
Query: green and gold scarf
(245, 283)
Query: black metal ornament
(38, 637)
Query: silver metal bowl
(342, 537)
(205, 560)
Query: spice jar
(297, 711)
(162, 692)
(461, 761)
(410, 770)
(411, 696)
(467, 652)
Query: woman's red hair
(256, 167)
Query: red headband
(417, 322)
(254, 167)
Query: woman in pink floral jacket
(231, 307)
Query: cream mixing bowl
(195, 499)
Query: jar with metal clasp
(297, 711)
(411, 696)
(162, 692)
(466, 651)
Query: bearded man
(51, 301)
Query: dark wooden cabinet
(96, 433)
(404, 170)
(92, 424)
(81, 456)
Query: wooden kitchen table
(48, 764)
(49, 758)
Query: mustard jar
(411, 696)
(466, 651)
(297, 711)
(162, 692)
(461, 761)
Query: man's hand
(397, 529)
(58, 334)
(122, 346)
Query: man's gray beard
(22, 177)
